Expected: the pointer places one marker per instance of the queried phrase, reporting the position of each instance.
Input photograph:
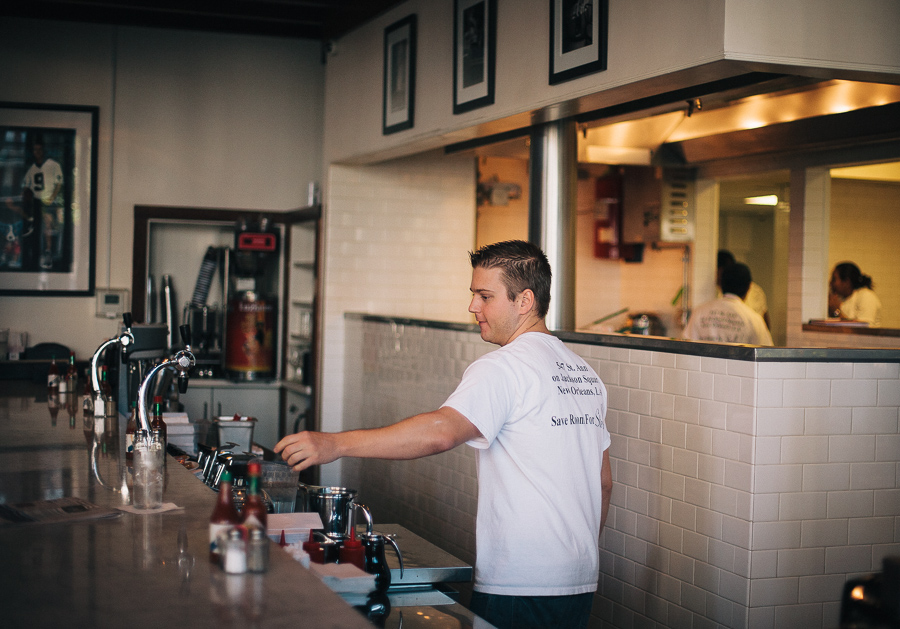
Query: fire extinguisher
(608, 221)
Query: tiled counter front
(749, 484)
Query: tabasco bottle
(87, 399)
(53, 376)
(102, 397)
(254, 514)
(100, 403)
(72, 375)
(87, 411)
(104, 383)
(222, 519)
(157, 424)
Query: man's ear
(527, 304)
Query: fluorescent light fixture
(618, 155)
(766, 199)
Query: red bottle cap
(282, 542)
(352, 542)
(352, 551)
(254, 468)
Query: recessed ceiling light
(767, 199)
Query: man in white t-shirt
(536, 413)
(728, 319)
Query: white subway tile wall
(729, 509)
(396, 237)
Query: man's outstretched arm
(412, 438)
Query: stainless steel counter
(414, 602)
(423, 562)
(129, 570)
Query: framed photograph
(48, 198)
(399, 75)
(578, 30)
(474, 50)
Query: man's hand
(304, 449)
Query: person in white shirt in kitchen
(755, 297)
(728, 319)
(851, 297)
(535, 411)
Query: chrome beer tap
(126, 340)
(182, 362)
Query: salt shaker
(235, 553)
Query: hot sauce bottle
(254, 515)
(53, 376)
(72, 375)
(156, 422)
(223, 518)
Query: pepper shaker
(257, 551)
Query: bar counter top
(127, 570)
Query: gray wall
(186, 119)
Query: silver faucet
(126, 339)
(182, 362)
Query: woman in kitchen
(851, 297)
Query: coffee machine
(251, 316)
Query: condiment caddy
(237, 538)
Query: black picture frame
(578, 38)
(398, 104)
(474, 53)
(48, 199)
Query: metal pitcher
(333, 504)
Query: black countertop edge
(750, 353)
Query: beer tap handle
(126, 340)
(184, 359)
(185, 335)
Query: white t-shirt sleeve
(480, 399)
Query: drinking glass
(149, 471)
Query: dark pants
(533, 612)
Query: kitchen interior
(252, 282)
(629, 264)
(640, 271)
